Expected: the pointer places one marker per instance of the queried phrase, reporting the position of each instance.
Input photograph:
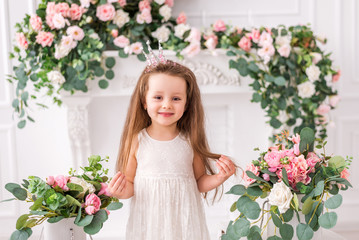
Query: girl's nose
(166, 105)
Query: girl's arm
(121, 185)
(207, 182)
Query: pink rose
(336, 77)
(144, 5)
(61, 181)
(333, 100)
(122, 3)
(75, 32)
(105, 12)
(21, 40)
(344, 174)
(58, 21)
(50, 180)
(104, 190)
(49, 20)
(121, 41)
(211, 42)
(245, 44)
(194, 35)
(250, 167)
(36, 23)
(181, 18)
(284, 50)
(76, 11)
(44, 38)
(63, 8)
(136, 48)
(169, 3)
(92, 204)
(50, 8)
(219, 26)
(312, 159)
(323, 109)
(273, 160)
(114, 33)
(191, 50)
(145, 16)
(255, 35)
(265, 39)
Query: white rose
(85, 185)
(121, 18)
(61, 51)
(166, 12)
(316, 57)
(85, 3)
(180, 29)
(162, 33)
(284, 50)
(306, 89)
(56, 77)
(313, 73)
(283, 40)
(58, 20)
(94, 36)
(280, 196)
(160, 2)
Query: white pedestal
(63, 230)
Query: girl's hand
(226, 168)
(117, 185)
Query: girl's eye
(176, 99)
(157, 97)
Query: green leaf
(237, 190)
(15, 103)
(97, 222)
(114, 206)
(99, 71)
(141, 57)
(20, 193)
(11, 186)
(318, 190)
(285, 176)
(122, 54)
(55, 219)
(334, 190)
(334, 202)
(109, 74)
(19, 235)
(279, 81)
(233, 207)
(328, 220)
(103, 84)
(253, 176)
(242, 67)
(72, 201)
(254, 191)
(337, 162)
(110, 62)
(85, 221)
(306, 139)
(256, 97)
(276, 219)
(75, 187)
(286, 231)
(249, 208)
(288, 215)
(20, 223)
(21, 124)
(275, 123)
(78, 217)
(241, 227)
(253, 67)
(37, 204)
(274, 238)
(254, 233)
(24, 96)
(307, 205)
(304, 232)
(295, 201)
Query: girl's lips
(165, 114)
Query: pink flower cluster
(59, 180)
(92, 204)
(56, 14)
(296, 165)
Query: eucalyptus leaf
(286, 231)
(237, 190)
(19, 235)
(328, 220)
(304, 232)
(114, 206)
(334, 202)
(241, 227)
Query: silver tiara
(152, 59)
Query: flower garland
(61, 47)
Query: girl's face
(165, 99)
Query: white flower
(162, 33)
(266, 52)
(89, 19)
(306, 89)
(121, 18)
(265, 39)
(166, 12)
(283, 40)
(68, 42)
(61, 51)
(94, 36)
(58, 20)
(313, 73)
(280, 196)
(180, 29)
(85, 3)
(284, 50)
(56, 77)
(85, 185)
(160, 2)
(76, 32)
(316, 57)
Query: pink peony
(122, 3)
(344, 174)
(254, 170)
(245, 44)
(50, 180)
(21, 40)
(333, 100)
(63, 8)
(169, 3)
(121, 41)
(45, 38)
(219, 26)
(323, 109)
(312, 159)
(36, 23)
(92, 204)
(191, 50)
(104, 190)
(255, 35)
(336, 77)
(76, 33)
(145, 4)
(51, 8)
(181, 18)
(61, 181)
(76, 11)
(273, 160)
(297, 171)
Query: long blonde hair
(191, 123)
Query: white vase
(64, 230)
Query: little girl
(163, 161)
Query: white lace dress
(166, 204)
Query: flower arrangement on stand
(297, 183)
(83, 197)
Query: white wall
(43, 148)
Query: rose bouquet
(297, 183)
(83, 197)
